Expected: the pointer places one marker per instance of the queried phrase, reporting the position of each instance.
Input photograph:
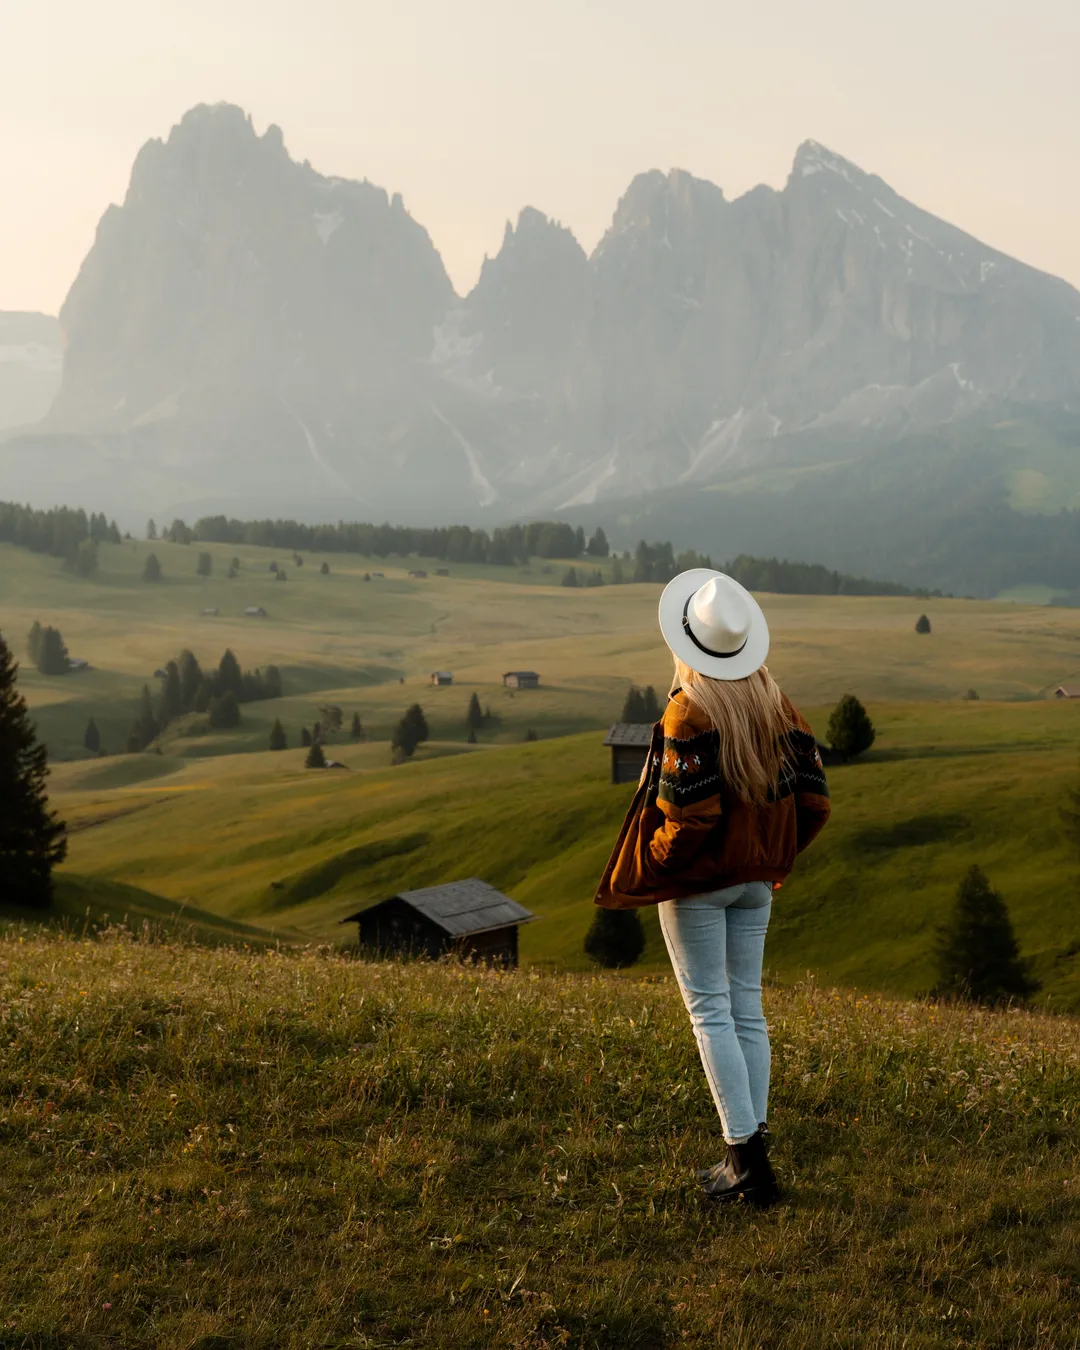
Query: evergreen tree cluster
(82, 558)
(641, 705)
(57, 532)
(477, 718)
(511, 545)
(410, 731)
(32, 837)
(574, 577)
(187, 688)
(796, 578)
(46, 649)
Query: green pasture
(276, 1150)
(259, 838)
(370, 647)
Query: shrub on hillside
(615, 938)
(850, 729)
(278, 739)
(92, 737)
(474, 718)
(145, 726)
(305, 737)
(205, 566)
(976, 950)
(324, 569)
(922, 624)
(151, 568)
(315, 759)
(52, 655)
(356, 730)
(32, 838)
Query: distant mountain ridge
(247, 335)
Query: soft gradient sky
(475, 108)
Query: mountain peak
(812, 157)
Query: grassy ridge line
(260, 839)
(86, 905)
(281, 1150)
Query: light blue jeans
(716, 943)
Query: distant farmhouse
(441, 677)
(1067, 691)
(442, 571)
(255, 612)
(211, 610)
(629, 742)
(77, 663)
(378, 576)
(521, 679)
(469, 918)
(418, 572)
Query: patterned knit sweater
(687, 833)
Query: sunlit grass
(231, 1148)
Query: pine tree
(356, 731)
(976, 950)
(631, 710)
(151, 568)
(278, 739)
(850, 729)
(325, 569)
(33, 642)
(570, 577)
(151, 530)
(922, 624)
(598, 544)
(224, 711)
(92, 737)
(649, 706)
(171, 704)
(145, 727)
(530, 735)
(615, 938)
(203, 694)
(410, 731)
(205, 566)
(52, 654)
(191, 677)
(617, 577)
(474, 717)
(32, 838)
(315, 757)
(471, 737)
(229, 678)
(305, 737)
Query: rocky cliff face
(30, 360)
(247, 331)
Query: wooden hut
(629, 742)
(521, 679)
(441, 677)
(469, 918)
(417, 572)
(1067, 691)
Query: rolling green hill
(259, 838)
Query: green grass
(280, 1151)
(259, 838)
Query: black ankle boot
(704, 1173)
(746, 1172)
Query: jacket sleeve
(688, 795)
(812, 804)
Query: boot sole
(758, 1196)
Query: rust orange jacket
(687, 833)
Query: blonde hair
(752, 723)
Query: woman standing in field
(732, 790)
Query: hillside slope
(211, 1148)
(260, 838)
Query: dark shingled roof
(460, 907)
(630, 733)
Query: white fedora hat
(713, 625)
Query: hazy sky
(475, 108)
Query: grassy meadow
(281, 1150)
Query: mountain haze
(249, 335)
